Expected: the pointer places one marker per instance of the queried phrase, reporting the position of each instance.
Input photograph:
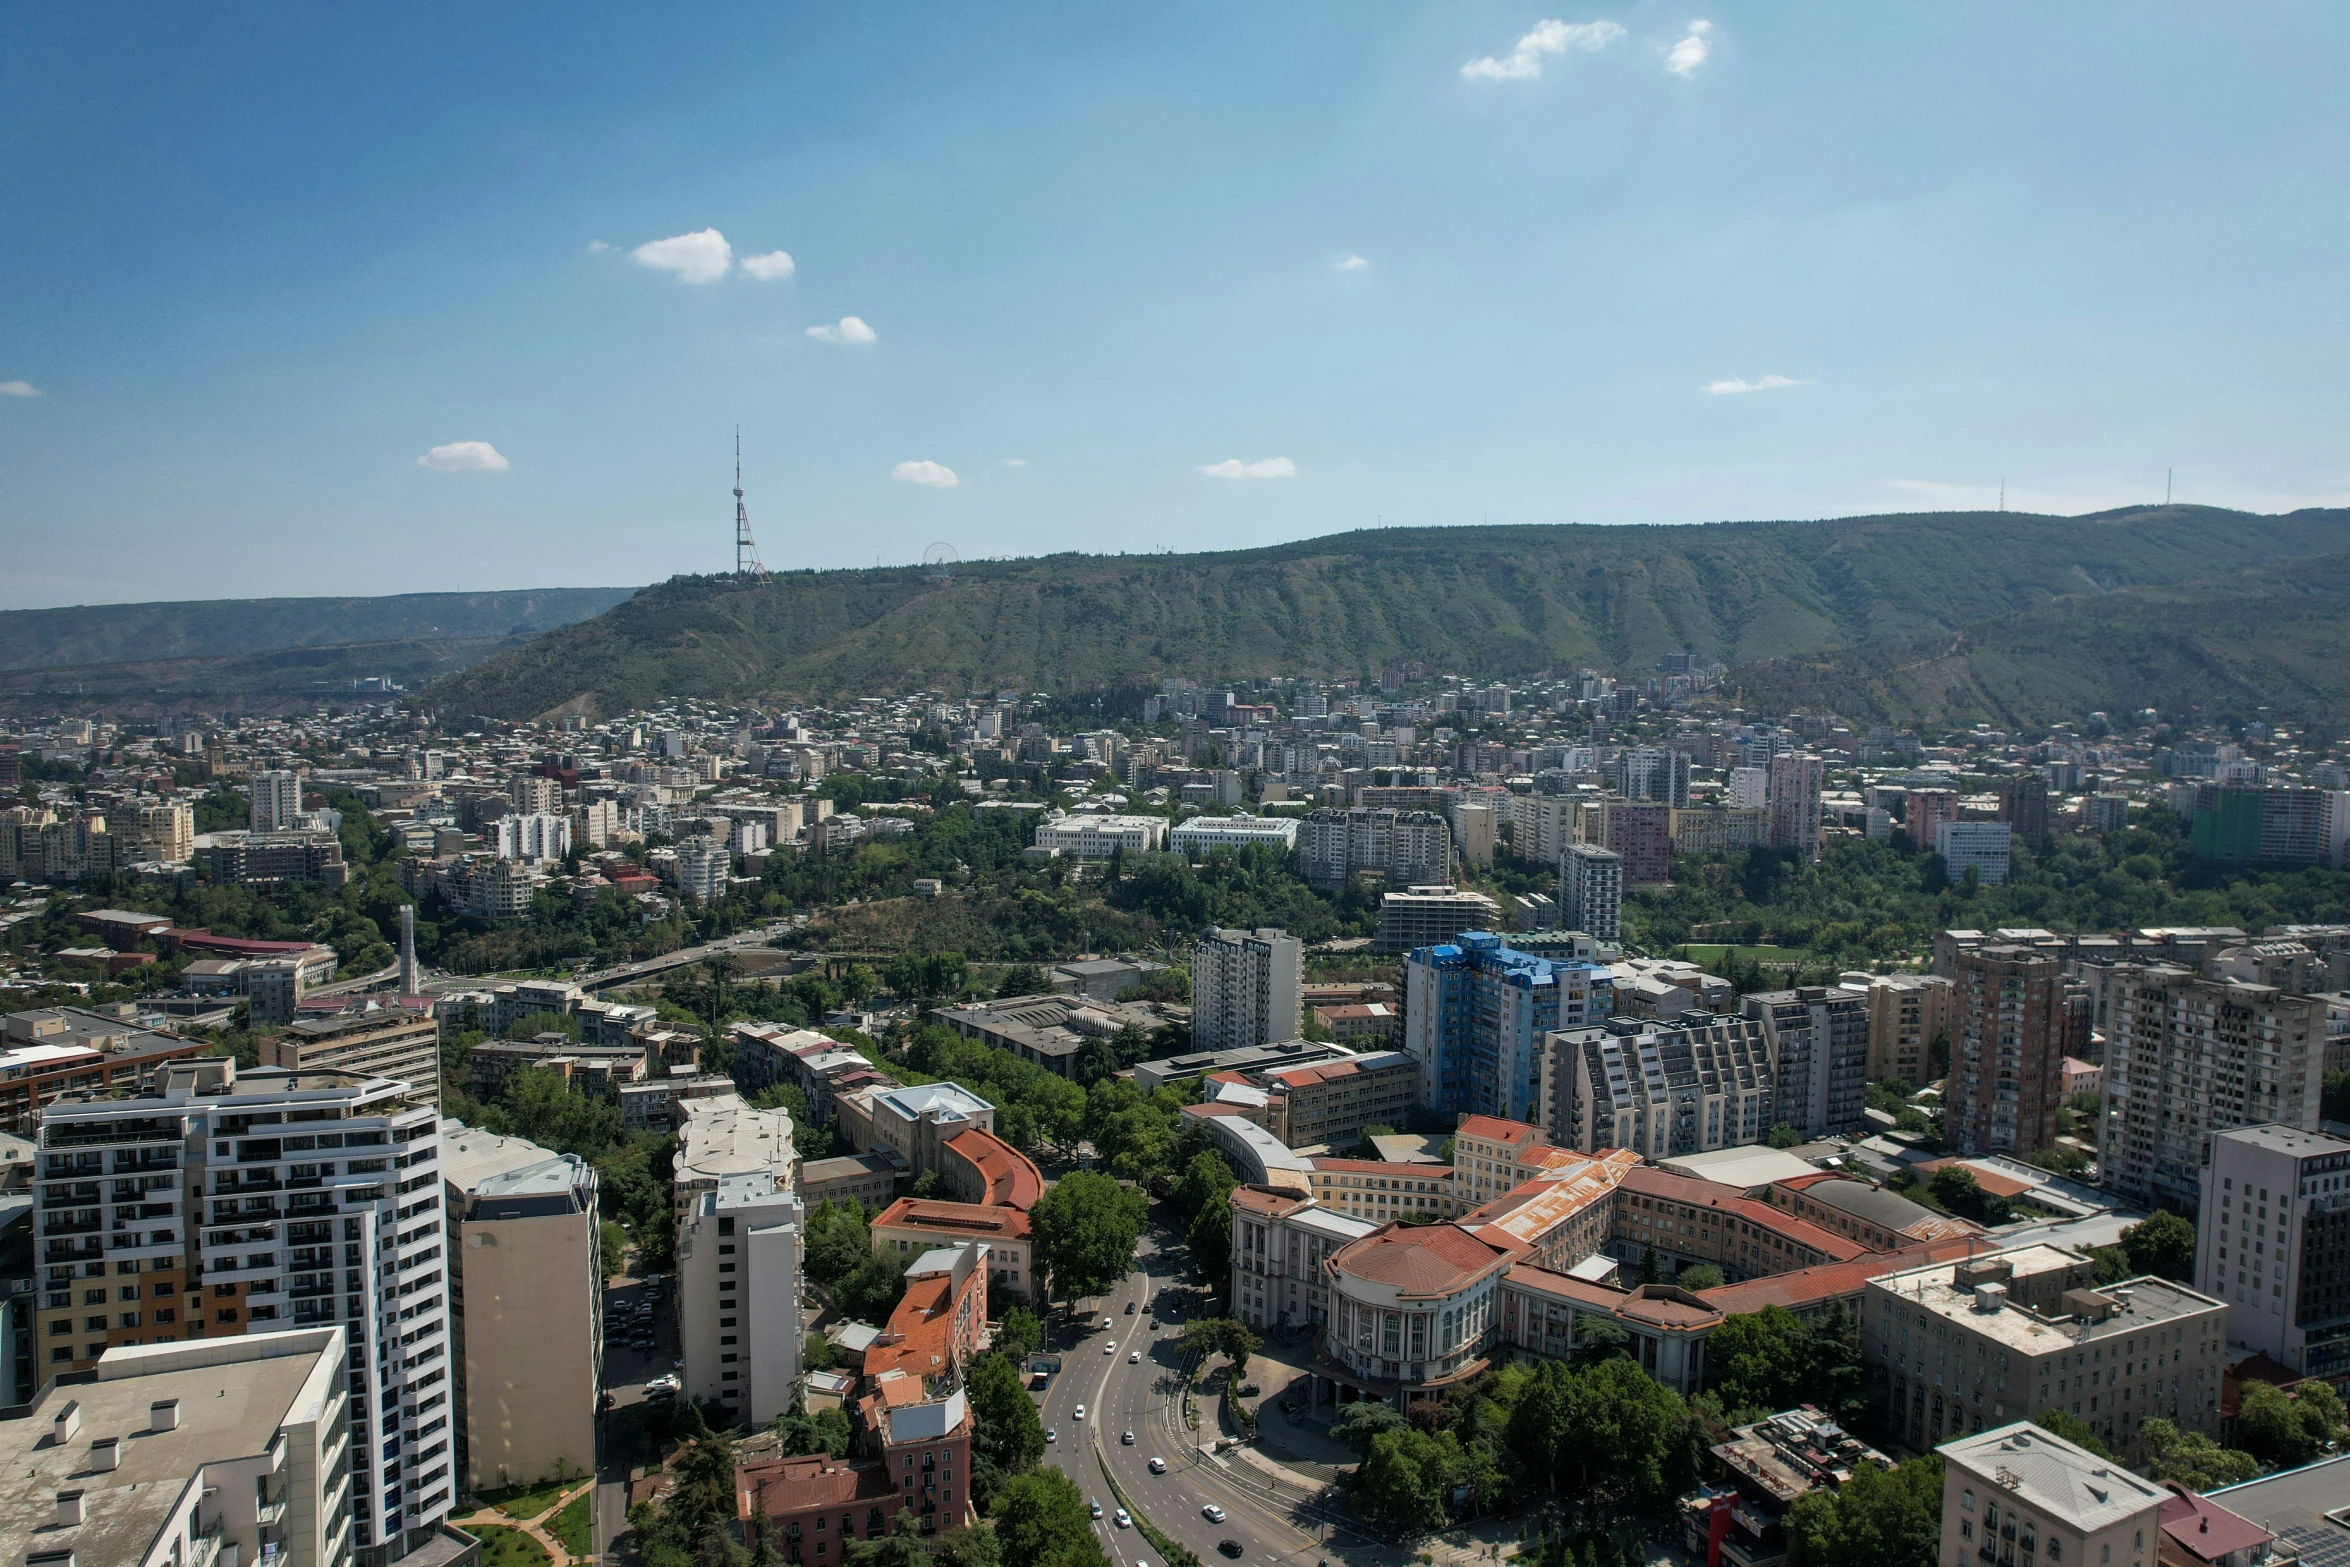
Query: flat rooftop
(2137, 1304)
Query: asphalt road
(1145, 1397)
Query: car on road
(1081, 1411)
(1111, 1348)
(1052, 1433)
(1212, 1513)
(1108, 1323)
(1126, 1440)
(1158, 1466)
(1124, 1522)
(1230, 1548)
(1130, 1308)
(1097, 1509)
(1134, 1358)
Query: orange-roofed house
(979, 1167)
(941, 1323)
(912, 1226)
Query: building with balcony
(55, 1051)
(1693, 1085)
(183, 1454)
(723, 1136)
(1280, 1240)
(1476, 1013)
(388, 1042)
(222, 1204)
(740, 1250)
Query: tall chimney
(407, 949)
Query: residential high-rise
(1652, 772)
(1476, 1013)
(1424, 916)
(1981, 847)
(535, 796)
(153, 1461)
(1659, 1089)
(2273, 1241)
(1750, 788)
(1819, 1042)
(1641, 831)
(1907, 1013)
(276, 801)
(703, 866)
(1406, 848)
(2006, 1052)
(1925, 812)
(226, 1204)
(2023, 805)
(1247, 988)
(1796, 777)
(388, 1042)
(739, 1256)
(1591, 891)
(2186, 1057)
(534, 836)
(526, 1297)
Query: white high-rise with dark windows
(1247, 988)
(276, 801)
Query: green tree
(611, 1248)
(1878, 1518)
(2191, 1458)
(1784, 1136)
(1362, 1420)
(868, 1291)
(1205, 1179)
(1020, 1335)
(1209, 1238)
(1403, 1482)
(1758, 1362)
(1041, 1521)
(1703, 1276)
(1008, 1430)
(1085, 1227)
(838, 1240)
(1021, 979)
(2285, 1430)
(1651, 1270)
(2163, 1245)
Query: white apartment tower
(1247, 988)
(276, 801)
(2186, 1057)
(226, 1204)
(739, 1256)
(2273, 1241)
(1795, 802)
(1591, 891)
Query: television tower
(746, 553)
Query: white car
(1124, 1522)
(1111, 1348)
(1212, 1513)
(1158, 1466)
(1052, 1433)
(1108, 1323)
(1081, 1411)
(1134, 1358)
(1097, 1509)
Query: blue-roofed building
(1476, 1012)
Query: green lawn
(526, 1501)
(503, 1547)
(575, 1524)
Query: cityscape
(1422, 786)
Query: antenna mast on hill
(746, 553)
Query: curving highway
(1121, 1394)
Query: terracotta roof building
(912, 1226)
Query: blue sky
(258, 264)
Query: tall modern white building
(227, 1204)
(703, 865)
(1591, 891)
(276, 801)
(739, 1256)
(1750, 788)
(530, 836)
(1247, 988)
(2273, 1241)
(1981, 847)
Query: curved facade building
(1413, 1310)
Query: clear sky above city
(381, 299)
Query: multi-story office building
(1661, 1090)
(1795, 802)
(1329, 1103)
(2273, 1242)
(276, 801)
(1591, 891)
(1981, 847)
(1720, 829)
(2186, 1057)
(1952, 1348)
(389, 1042)
(1247, 988)
(526, 1307)
(2006, 1052)
(1425, 916)
(739, 1254)
(2020, 1485)
(1098, 837)
(1639, 831)
(152, 1464)
(1818, 1038)
(1907, 1013)
(1404, 848)
(226, 1204)
(1204, 834)
(1476, 1013)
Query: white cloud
(852, 329)
(1549, 37)
(1015, 462)
(773, 267)
(1690, 52)
(597, 247)
(936, 475)
(700, 257)
(1267, 468)
(1354, 264)
(465, 457)
(19, 389)
(1733, 387)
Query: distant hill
(1507, 601)
(2273, 637)
(276, 680)
(224, 628)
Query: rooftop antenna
(746, 553)
(2166, 475)
(2003, 495)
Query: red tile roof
(1010, 1179)
(1727, 1199)
(1417, 1259)
(975, 1219)
(1492, 1127)
(798, 1485)
(2206, 1529)
(1803, 1288)
(916, 1339)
